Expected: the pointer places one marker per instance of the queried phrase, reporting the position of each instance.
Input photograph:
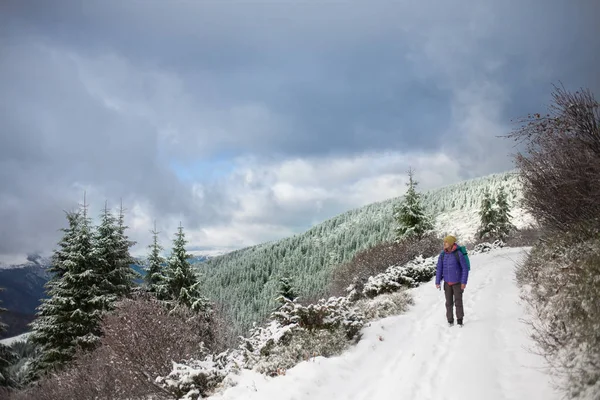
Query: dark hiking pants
(454, 295)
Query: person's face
(447, 245)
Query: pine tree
(47, 330)
(489, 217)
(503, 218)
(61, 259)
(410, 215)
(181, 282)
(286, 291)
(155, 278)
(7, 357)
(105, 257)
(70, 316)
(124, 276)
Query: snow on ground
(465, 223)
(416, 356)
(9, 341)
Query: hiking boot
(450, 323)
(460, 322)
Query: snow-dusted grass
(385, 305)
(416, 356)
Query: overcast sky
(252, 121)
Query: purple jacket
(450, 270)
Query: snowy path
(420, 357)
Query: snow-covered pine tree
(7, 357)
(155, 277)
(124, 276)
(61, 258)
(504, 225)
(104, 252)
(55, 348)
(70, 316)
(286, 290)
(182, 284)
(410, 215)
(489, 217)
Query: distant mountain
(246, 280)
(33, 260)
(24, 288)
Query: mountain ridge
(246, 279)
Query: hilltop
(245, 281)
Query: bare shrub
(142, 338)
(560, 172)
(151, 337)
(377, 259)
(5, 393)
(560, 169)
(101, 374)
(560, 285)
(524, 237)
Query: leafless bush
(560, 169)
(152, 337)
(560, 172)
(5, 393)
(561, 287)
(142, 339)
(377, 259)
(102, 374)
(524, 237)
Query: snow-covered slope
(417, 356)
(464, 224)
(9, 341)
(246, 280)
(25, 261)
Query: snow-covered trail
(417, 356)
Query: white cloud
(272, 200)
(307, 97)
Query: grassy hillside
(246, 280)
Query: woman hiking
(452, 267)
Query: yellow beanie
(450, 239)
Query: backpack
(463, 250)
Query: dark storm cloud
(106, 94)
(58, 139)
